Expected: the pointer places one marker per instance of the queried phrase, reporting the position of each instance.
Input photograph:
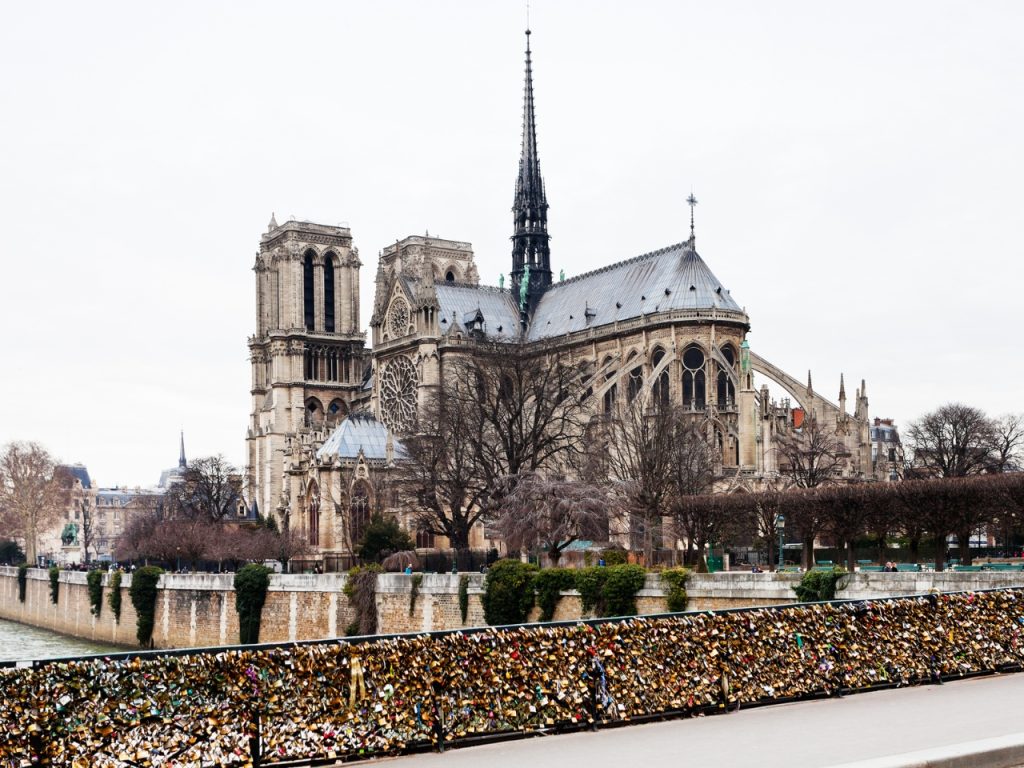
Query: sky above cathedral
(858, 168)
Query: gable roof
(456, 301)
(673, 278)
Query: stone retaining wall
(199, 609)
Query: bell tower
(308, 355)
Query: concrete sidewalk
(947, 726)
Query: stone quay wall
(199, 609)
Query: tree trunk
(914, 547)
(808, 558)
(963, 539)
(940, 553)
(851, 556)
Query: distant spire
(863, 388)
(530, 240)
(809, 387)
(273, 223)
(181, 456)
(692, 201)
(842, 388)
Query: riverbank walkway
(931, 726)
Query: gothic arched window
(694, 382)
(634, 380)
(307, 290)
(359, 512)
(329, 293)
(613, 391)
(313, 494)
(660, 388)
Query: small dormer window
(449, 277)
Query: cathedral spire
(530, 209)
(181, 456)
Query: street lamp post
(780, 528)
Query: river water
(21, 642)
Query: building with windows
(656, 325)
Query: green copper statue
(501, 281)
(524, 287)
(561, 275)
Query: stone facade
(659, 325)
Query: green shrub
(414, 592)
(361, 590)
(251, 583)
(620, 589)
(818, 585)
(54, 584)
(114, 595)
(590, 585)
(610, 591)
(614, 556)
(674, 581)
(95, 581)
(508, 592)
(143, 595)
(383, 536)
(549, 584)
(22, 581)
(464, 597)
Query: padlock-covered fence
(348, 699)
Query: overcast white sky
(859, 169)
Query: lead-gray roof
(673, 278)
(499, 311)
(360, 431)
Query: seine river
(21, 642)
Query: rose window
(398, 318)
(398, 393)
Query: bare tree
(640, 454)
(845, 513)
(552, 514)
(803, 514)
(210, 489)
(1008, 443)
(955, 440)
(708, 518)
(88, 527)
(764, 507)
(528, 408)
(810, 456)
(34, 492)
(439, 474)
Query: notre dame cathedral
(328, 412)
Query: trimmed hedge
(114, 595)
(95, 581)
(508, 592)
(251, 583)
(54, 584)
(464, 597)
(22, 581)
(815, 586)
(549, 585)
(143, 595)
(674, 581)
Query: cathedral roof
(360, 431)
(673, 278)
(458, 300)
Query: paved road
(811, 734)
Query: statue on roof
(524, 287)
(501, 281)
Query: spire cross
(692, 201)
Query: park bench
(907, 567)
(871, 568)
(967, 568)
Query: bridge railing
(298, 703)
